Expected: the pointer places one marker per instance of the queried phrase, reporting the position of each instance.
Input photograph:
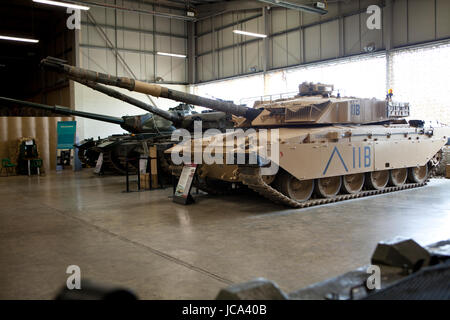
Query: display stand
(127, 175)
(182, 192)
(99, 164)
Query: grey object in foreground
(408, 272)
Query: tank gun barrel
(60, 110)
(147, 88)
(118, 95)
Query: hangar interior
(164, 250)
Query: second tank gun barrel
(136, 102)
(151, 89)
(60, 110)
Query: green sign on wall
(66, 134)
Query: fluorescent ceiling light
(251, 34)
(171, 54)
(62, 4)
(18, 39)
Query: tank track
(107, 160)
(251, 177)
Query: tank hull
(325, 162)
(372, 148)
(117, 150)
(86, 153)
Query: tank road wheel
(418, 174)
(377, 179)
(328, 187)
(397, 177)
(299, 190)
(353, 183)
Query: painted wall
(137, 38)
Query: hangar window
(360, 77)
(420, 76)
(417, 75)
(233, 89)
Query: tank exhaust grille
(305, 113)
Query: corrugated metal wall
(298, 38)
(137, 38)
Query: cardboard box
(153, 152)
(145, 178)
(154, 181)
(142, 177)
(447, 171)
(147, 181)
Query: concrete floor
(167, 251)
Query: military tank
(326, 148)
(151, 129)
(115, 148)
(144, 130)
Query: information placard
(98, 165)
(66, 134)
(182, 191)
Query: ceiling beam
(228, 6)
(159, 3)
(294, 6)
(136, 10)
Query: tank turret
(312, 89)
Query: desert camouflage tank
(327, 148)
(322, 148)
